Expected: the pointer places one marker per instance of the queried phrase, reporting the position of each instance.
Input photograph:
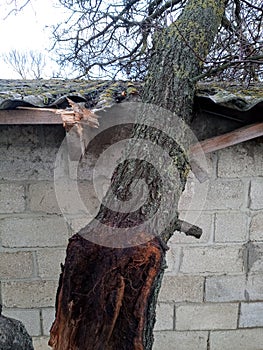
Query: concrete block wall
(33, 232)
(212, 292)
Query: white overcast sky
(27, 30)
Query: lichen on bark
(179, 54)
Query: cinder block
(54, 135)
(11, 198)
(216, 259)
(18, 135)
(25, 135)
(182, 288)
(30, 319)
(254, 254)
(213, 194)
(206, 316)
(164, 317)
(85, 167)
(49, 261)
(41, 343)
(34, 232)
(48, 317)
(90, 196)
(103, 160)
(251, 315)
(256, 227)
(64, 196)
(4, 135)
(169, 340)
(231, 227)
(31, 294)
(42, 197)
(172, 259)
(225, 288)
(255, 286)
(194, 195)
(225, 194)
(241, 160)
(23, 170)
(27, 163)
(78, 223)
(256, 193)
(16, 265)
(242, 339)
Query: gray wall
(212, 293)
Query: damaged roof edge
(97, 94)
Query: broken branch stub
(78, 114)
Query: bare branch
(124, 24)
(253, 6)
(27, 64)
(214, 71)
(118, 37)
(17, 8)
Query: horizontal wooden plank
(229, 139)
(27, 116)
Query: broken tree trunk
(107, 296)
(98, 289)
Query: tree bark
(107, 296)
(13, 334)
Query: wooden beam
(29, 116)
(216, 143)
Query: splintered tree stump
(104, 296)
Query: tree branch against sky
(16, 6)
(27, 64)
(26, 26)
(118, 38)
(97, 38)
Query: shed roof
(240, 105)
(53, 93)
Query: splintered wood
(70, 117)
(79, 117)
(77, 114)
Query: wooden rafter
(216, 143)
(34, 115)
(29, 116)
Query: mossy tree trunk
(107, 296)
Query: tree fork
(107, 297)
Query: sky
(28, 30)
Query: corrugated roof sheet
(96, 94)
(54, 92)
(232, 96)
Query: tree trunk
(107, 296)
